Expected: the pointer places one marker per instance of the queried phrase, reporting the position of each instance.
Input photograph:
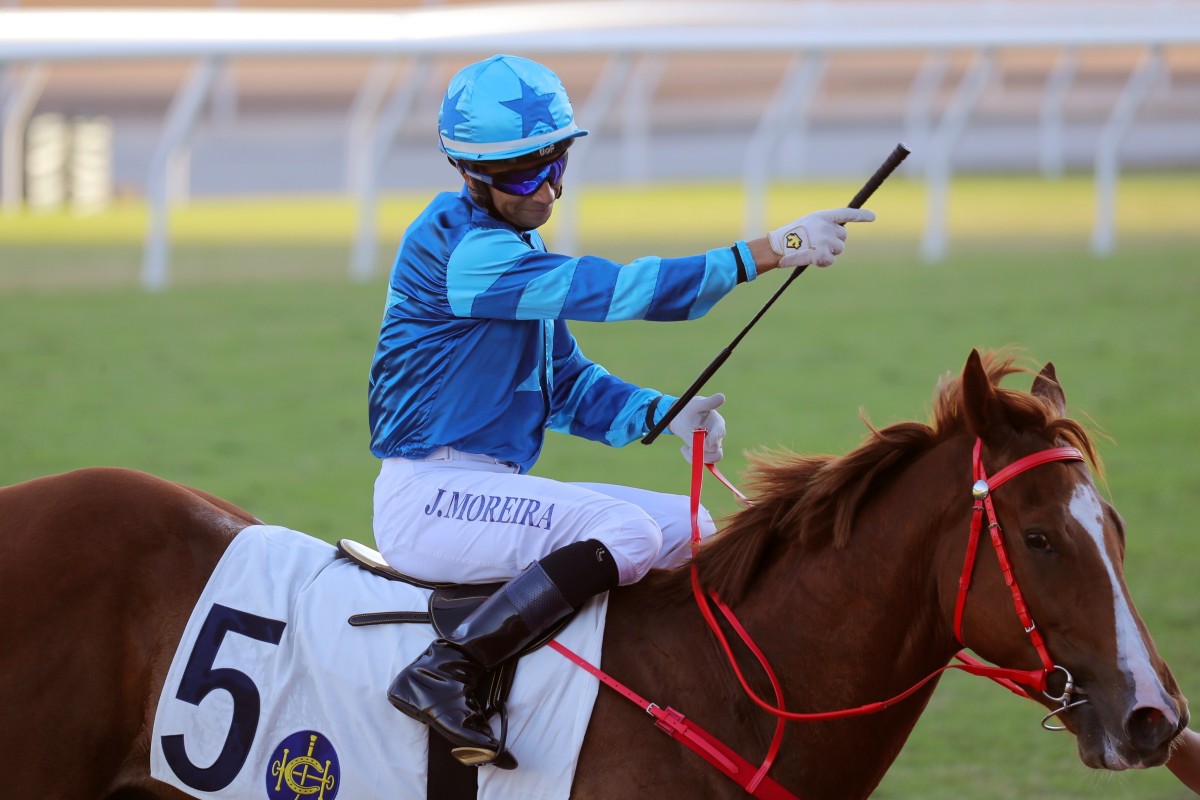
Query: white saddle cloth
(271, 625)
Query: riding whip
(887, 168)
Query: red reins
(1035, 679)
(758, 783)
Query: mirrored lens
(526, 181)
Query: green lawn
(248, 378)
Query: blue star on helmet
(533, 108)
(451, 116)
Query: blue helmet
(502, 108)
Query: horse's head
(1066, 547)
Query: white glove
(700, 412)
(817, 238)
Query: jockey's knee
(635, 543)
(677, 534)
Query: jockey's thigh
(672, 513)
(474, 522)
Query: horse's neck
(841, 627)
(862, 625)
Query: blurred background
(201, 203)
(701, 107)
(748, 92)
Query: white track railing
(640, 35)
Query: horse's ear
(980, 403)
(1047, 387)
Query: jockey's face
(525, 212)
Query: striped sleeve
(589, 402)
(493, 273)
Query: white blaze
(1132, 655)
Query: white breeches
(467, 518)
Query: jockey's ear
(985, 416)
(1047, 387)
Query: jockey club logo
(304, 765)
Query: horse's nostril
(1150, 728)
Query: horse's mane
(815, 499)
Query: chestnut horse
(846, 570)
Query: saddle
(449, 605)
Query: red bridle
(981, 491)
(755, 781)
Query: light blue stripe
(634, 290)
(720, 277)
(533, 383)
(481, 259)
(394, 297)
(545, 295)
(561, 421)
(548, 355)
(628, 424)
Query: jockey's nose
(1150, 727)
(545, 193)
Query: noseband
(981, 491)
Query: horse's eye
(1035, 540)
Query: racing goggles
(524, 182)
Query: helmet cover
(504, 107)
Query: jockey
(475, 361)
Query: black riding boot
(437, 688)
